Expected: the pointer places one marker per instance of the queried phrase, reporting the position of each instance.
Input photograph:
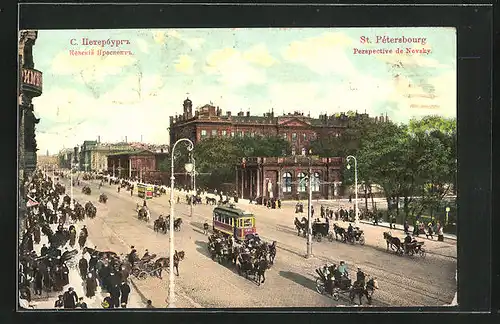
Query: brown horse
(393, 242)
(164, 263)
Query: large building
(93, 155)
(285, 178)
(299, 129)
(141, 164)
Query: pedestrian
(114, 292)
(83, 266)
(440, 232)
(81, 304)
(90, 285)
(149, 304)
(59, 302)
(124, 291)
(70, 298)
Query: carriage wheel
(330, 237)
(142, 275)
(362, 240)
(135, 272)
(422, 252)
(336, 296)
(318, 237)
(320, 288)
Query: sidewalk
(401, 228)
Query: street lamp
(190, 168)
(171, 302)
(356, 216)
(447, 213)
(309, 213)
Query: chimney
(376, 119)
(125, 139)
(248, 114)
(228, 113)
(98, 139)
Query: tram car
(231, 221)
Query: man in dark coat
(44, 250)
(93, 263)
(83, 266)
(38, 282)
(65, 274)
(104, 274)
(70, 298)
(90, 285)
(36, 234)
(125, 291)
(114, 292)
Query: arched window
(302, 182)
(316, 181)
(287, 182)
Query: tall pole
(356, 216)
(193, 180)
(71, 175)
(309, 214)
(171, 287)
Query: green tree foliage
(407, 161)
(217, 157)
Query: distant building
(94, 154)
(47, 161)
(64, 158)
(135, 164)
(209, 121)
(285, 177)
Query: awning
(31, 202)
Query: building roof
(136, 152)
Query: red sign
(31, 80)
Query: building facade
(286, 178)
(30, 86)
(135, 164)
(209, 121)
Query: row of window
(301, 182)
(238, 222)
(225, 133)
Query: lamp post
(309, 213)
(447, 213)
(171, 302)
(190, 169)
(356, 216)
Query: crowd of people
(47, 272)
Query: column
(258, 181)
(280, 184)
(114, 165)
(130, 168)
(119, 167)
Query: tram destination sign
(31, 81)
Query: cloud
(259, 55)
(161, 37)
(185, 64)
(323, 54)
(90, 68)
(143, 46)
(232, 69)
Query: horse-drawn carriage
(103, 198)
(90, 210)
(145, 267)
(343, 286)
(144, 214)
(400, 248)
(320, 230)
(356, 236)
(86, 190)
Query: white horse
(148, 215)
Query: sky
(311, 70)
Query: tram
(145, 191)
(232, 221)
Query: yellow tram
(233, 222)
(145, 191)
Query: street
(403, 280)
